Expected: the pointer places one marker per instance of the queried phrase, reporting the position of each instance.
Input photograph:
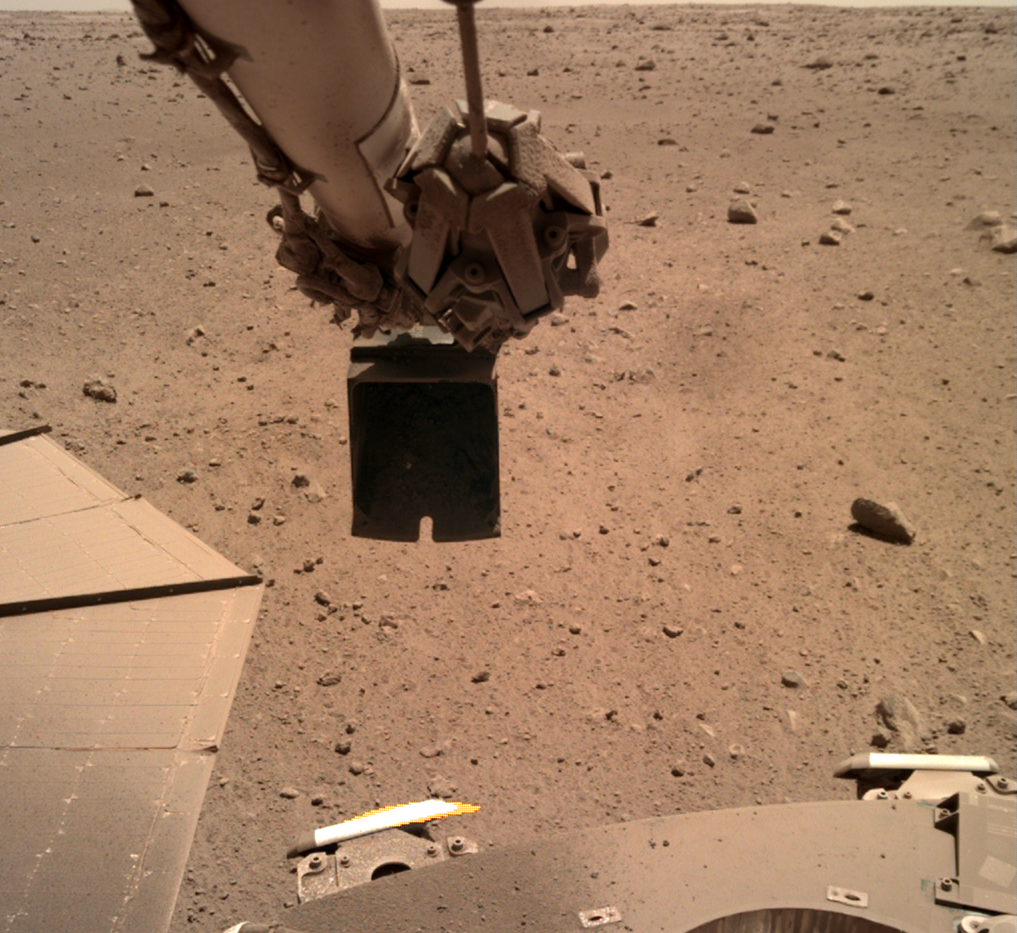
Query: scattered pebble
(322, 598)
(329, 679)
(957, 727)
(866, 296)
(841, 207)
(840, 225)
(886, 90)
(187, 476)
(439, 786)
(342, 747)
(650, 220)
(830, 238)
(301, 480)
(671, 630)
(648, 65)
(986, 219)
(978, 636)
(763, 129)
(481, 677)
(1010, 699)
(143, 191)
(820, 64)
(357, 768)
(886, 521)
(289, 793)
(736, 750)
(743, 187)
(741, 212)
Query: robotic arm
(478, 226)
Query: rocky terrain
(680, 613)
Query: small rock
(678, 770)
(671, 630)
(736, 750)
(549, 28)
(1005, 240)
(430, 751)
(709, 760)
(650, 220)
(899, 715)
(793, 720)
(763, 129)
(667, 141)
(1010, 699)
(628, 306)
(528, 598)
(35, 238)
(841, 207)
(143, 191)
(978, 636)
(557, 319)
(743, 187)
(836, 355)
(661, 540)
(289, 793)
(791, 678)
(986, 219)
(322, 598)
(357, 768)
(278, 519)
(329, 679)
(741, 212)
(194, 333)
(316, 493)
(886, 90)
(830, 238)
(342, 747)
(575, 630)
(554, 370)
(100, 391)
(866, 296)
(318, 800)
(886, 521)
(439, 786)
(418, 79)
(481, 677)
(187, 476)
(820, 64)
(647, 65)
(301, 480)
(253, 518)
(879, 740)
(957, 727)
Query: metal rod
(471, 70)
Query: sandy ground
(677, 538)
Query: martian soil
(680, 613)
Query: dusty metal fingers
(497, 242)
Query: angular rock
(986, 219)
(143, 191)
(741, 212)
(763, 129)
(899, 715)
(100, 391)
(886, 521)
(841, 207)
(840, 225)
(329, 679)
(820, 64)
(1005, 240)
(289, 793)
(830, 238)
(791, 678)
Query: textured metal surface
(109, 714)
(753, 870)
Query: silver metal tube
(323, 78)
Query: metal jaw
(497, 242)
